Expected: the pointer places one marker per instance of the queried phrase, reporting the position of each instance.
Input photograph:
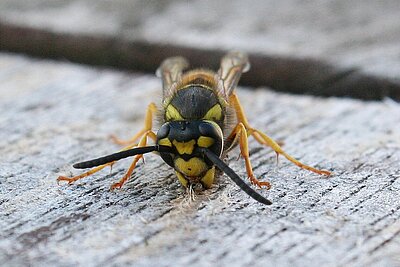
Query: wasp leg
(239, 134)
(70, 180)
(265, 139)
(142, 143)
(148, 124)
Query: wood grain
(55, 114)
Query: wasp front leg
(239, 135)
(142, 143)
(265, 139)
(148, 125)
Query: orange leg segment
(70, 180)
(142, 143)
(239, 134)
(148, 125)
(265, 139)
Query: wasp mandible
(201, 121)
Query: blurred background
(344, 48)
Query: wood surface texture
(54, 114)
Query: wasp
(201, 121)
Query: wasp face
(185, 138)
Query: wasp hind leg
(142, 143)
(151, 109)
(266, 140)
(70, 180)
(148, 124)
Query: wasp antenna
(228, 171)
(120, 155)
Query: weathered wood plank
(341, 48)
(54, 114)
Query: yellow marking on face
(165, 142)
(172, 114)
(208, 178)
(184, 147)
(194, 167)
(214, 113)
(182, 179)
(205, 141)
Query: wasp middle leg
(239, 135)
(127, 175)
(148, 125)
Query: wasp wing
(170, 71)
(232, 66)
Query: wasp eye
(164, 131)
(207, 129)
